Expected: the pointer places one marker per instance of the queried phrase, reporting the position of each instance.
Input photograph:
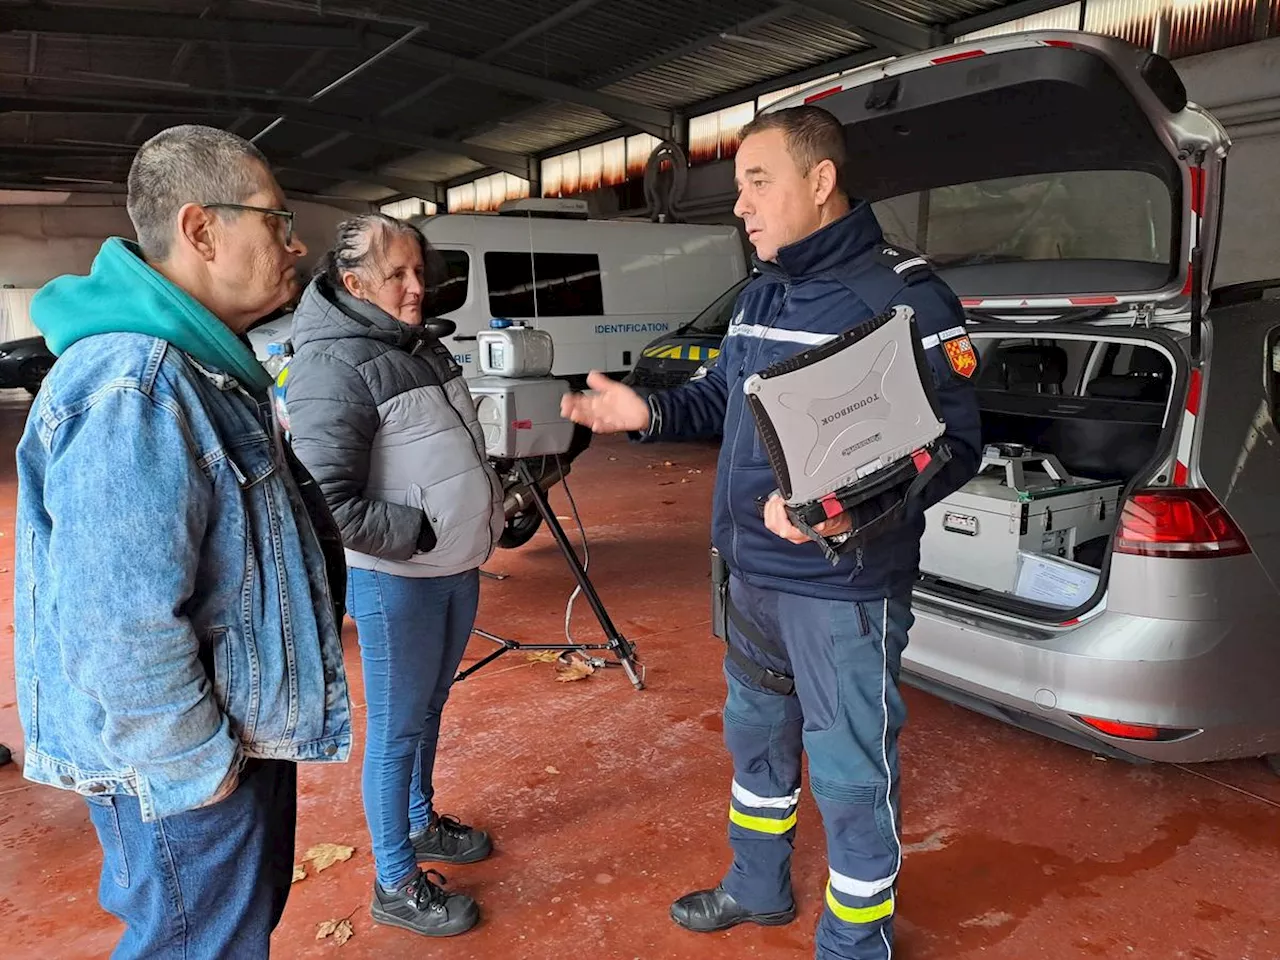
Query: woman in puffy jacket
(381, 416)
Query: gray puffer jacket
(381, 417)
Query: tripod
(623, 651)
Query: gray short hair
(362, 242)
(187, 164)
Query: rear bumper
(1217, 677)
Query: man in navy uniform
(814, 648)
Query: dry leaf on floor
(576, 670)
(552, 770)
(298, 873)
(340, 930)
(542, 656)
(325, 855)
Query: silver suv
(1109, 579)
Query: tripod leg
(619, 644)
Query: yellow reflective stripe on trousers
(859, 914)
(760, 824)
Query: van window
(448, 281)
(510, 278)
(567, 285)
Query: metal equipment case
(1018, 501)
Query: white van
(603, 289)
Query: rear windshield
(1080, 231)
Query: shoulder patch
(960, 353)
(905, 263)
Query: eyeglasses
(285, 215)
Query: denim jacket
(172, 604)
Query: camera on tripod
(517, 399)
(530, 446)
(518, 405)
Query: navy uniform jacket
(825, 284)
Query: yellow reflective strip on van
(695, 353)
(761, 824)
(859, 914)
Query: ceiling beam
(97, 22)
(169, 27)
(780, 12)
(31, 153)
(993, 18)
(891, 33)
(394, 134)
(529, 33)
(422, 189)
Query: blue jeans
(413, 632)
(845, 713)
(207, 883)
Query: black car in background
(24, 363)
(673, 358)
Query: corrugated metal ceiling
(669, 56)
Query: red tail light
(1135, 731)
(1178, 523)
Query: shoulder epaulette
(905, 263)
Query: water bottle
(277, 364)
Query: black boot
(447, 841)
(423, 907)
(706, 911)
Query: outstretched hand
(607, 406)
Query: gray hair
(187, 164)
(362, 243)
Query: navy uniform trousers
(845, 713)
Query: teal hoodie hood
(122, 294)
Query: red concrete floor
(607, 803)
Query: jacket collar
(329, 313)
(837, 243)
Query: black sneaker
(446, 840)
(423, 907)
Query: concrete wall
(1241, 86)
(42, 240)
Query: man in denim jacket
(177, 647)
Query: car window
(1273, 375)
(714, 320)
(1075, 215)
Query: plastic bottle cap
(275, 349)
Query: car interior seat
(1024, 368)
(1116, 449)
(1148, 380)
